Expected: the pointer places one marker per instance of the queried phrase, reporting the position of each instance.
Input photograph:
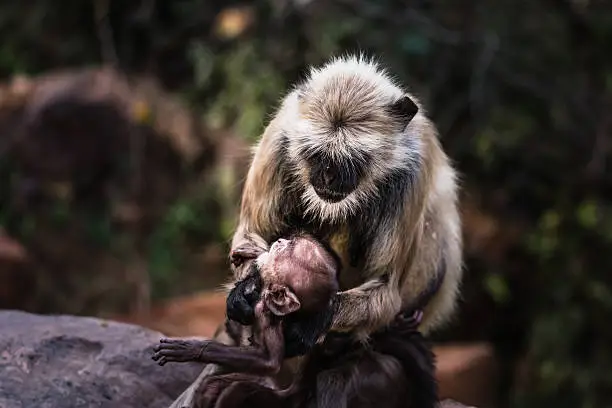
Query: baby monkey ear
(281, 301)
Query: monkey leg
(228, 390)
(190, 397)
(252, 395)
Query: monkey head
(347, 129)
(297, 274)
(297, 279)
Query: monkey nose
(250, 292)
(329, 176)
(280, 244)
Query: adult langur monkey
(351, 158)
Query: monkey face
(333, 179)
(346, 133)
(240, 302)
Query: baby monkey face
(297, 273)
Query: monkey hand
(179, 350)
(242, 298)
(354, 307)
(243, 253)
(407, 322)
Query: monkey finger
(166, 346)
(160, 357)
(418, 316)
(175, 354)
(173, 345)
(167, 340)
(162, 347)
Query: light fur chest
(350, 276)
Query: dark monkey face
(334, 178)
(348, 135)
(242, 298)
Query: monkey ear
(404, 110)
(282, 302)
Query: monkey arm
(265, 357)
(368, 307)
(246, 247)
(375, 303)
(261, 216)
(251, 359)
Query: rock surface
(468, 373)
(74, 362)
(199, 315)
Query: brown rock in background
(449, 403)
(196, 315)
(467, 373)
(98, 159)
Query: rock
(199, 315)
(449, 403)
(467, 373)
(70, 362)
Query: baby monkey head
(298, 274)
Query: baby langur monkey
(299, 278)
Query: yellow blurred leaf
(232, 22)
(141, 112)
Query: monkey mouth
(330, 196)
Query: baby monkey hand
(179, 350)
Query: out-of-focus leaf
(415, 44)
(497, 287)
(232, 22)
(587, 214)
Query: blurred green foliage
(522, 94)
(187, 223)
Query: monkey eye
(280, 244)
(236, 259)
